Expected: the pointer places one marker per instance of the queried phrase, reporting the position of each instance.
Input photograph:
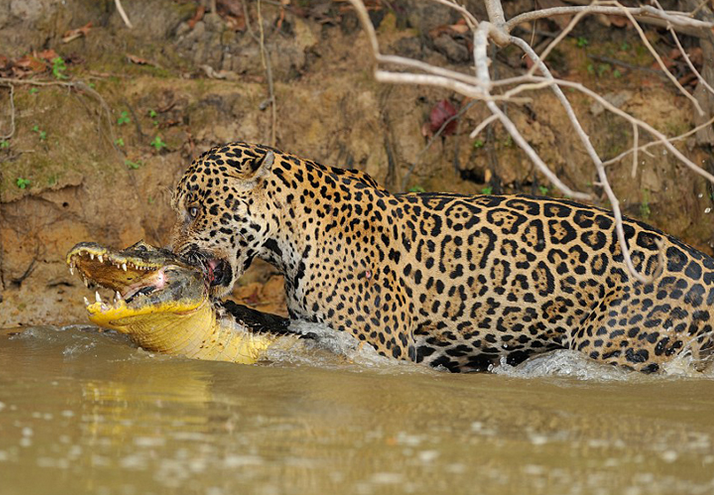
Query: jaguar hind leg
(635, 333)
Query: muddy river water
(86, 412)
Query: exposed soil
(194, 82)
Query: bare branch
(661, 63)
(645, 147)
(645, 14)
(123, 15)
(470, 19)
(585, 139)
(496, 29)
(701, 80)
(484, 123)
(481, 62)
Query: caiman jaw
(133, 281)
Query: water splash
(575, 364)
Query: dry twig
(123, 15)
(497, 29)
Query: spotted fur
(452, 281)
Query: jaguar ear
(261, 168)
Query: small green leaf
(582, 42)
(616, 74)
(152, 114)
(133, 165)
(543, 190)
(487, 190)
(119, 142)
(4, 144)
(478, 144)
(22, 183)
(158, 144)
(34, 91)
(58, 68)
(417, 189)
(123, 118)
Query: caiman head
(151, 287)
(163, 304)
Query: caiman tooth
(86, 282)
(123, 266)
(71, 270)
(86, 301)
(91, 256)
(100, 258)
(117, 296)
(96, 296)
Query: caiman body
(162, 303)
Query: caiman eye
(192, 212)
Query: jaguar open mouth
(217, 271)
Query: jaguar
(461, 283)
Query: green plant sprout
(4, 144)
(487, 190)
(58, 68)
(119, 142)
(34, 91)
(133, 165)
(152, 114)
(41, 134)
(22, 183)
(417, 189)
(123, 118)
(543, 190)
(582, 42)
(158, 144)
(478, 144)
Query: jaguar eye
(192, 211)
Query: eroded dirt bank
(81, 164)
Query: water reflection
(82, 412)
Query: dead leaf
(443, 112)
(235, 23)
(696, 56)
(230, 7)
(48, 55)
(30, 64)
(137, 60)
(73, 34)
(200, 11)
(619, 21)
(690, 78)
(460, 27)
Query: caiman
(163, 304)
